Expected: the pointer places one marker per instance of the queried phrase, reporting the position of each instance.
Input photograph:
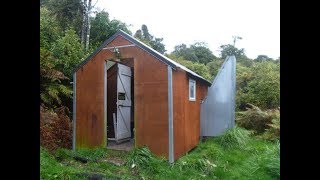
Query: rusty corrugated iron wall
(150, 102)
(150, 92)
(90, 126)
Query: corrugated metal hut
(127, 90)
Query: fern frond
(65, 90)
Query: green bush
(68, 52)
(264, 124)
(254, 119)
(273, 133)
(259, 85)
(196, 67)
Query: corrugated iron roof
(144, 47)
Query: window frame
(194, 89)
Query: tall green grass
(234, 155)
(234, 138)
(269, 160)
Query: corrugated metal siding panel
(217, 112)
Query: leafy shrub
(259, 85)
(273, 133)
(52, 89)
(265, 124)
(49, 29)
(254, 119)
(196, 67)
(68, 52)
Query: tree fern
(51, 81)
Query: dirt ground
(123, 146)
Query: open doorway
(120, 104)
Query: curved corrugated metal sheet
(218, 108)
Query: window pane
(121, 96)
(192, 91)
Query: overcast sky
(211, 21)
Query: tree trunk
(88, 25)
(84, 24)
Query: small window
(192, 90)
(121, 96)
